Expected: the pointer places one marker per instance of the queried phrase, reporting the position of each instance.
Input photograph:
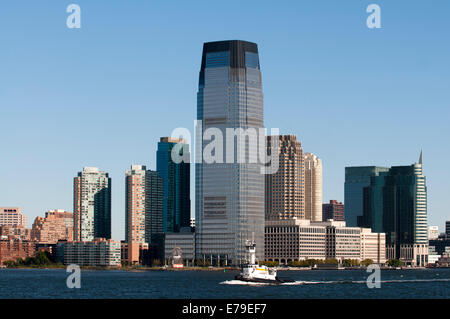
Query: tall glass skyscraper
(395, 203)
(229, 196)
(356, 178)
(92, 205)
(176, 184)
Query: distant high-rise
(285, 190)
(143, 205)
(92, 205)
(395, 203)
(433, 232)
(447, 228)
(356, 178)
(313, 187)
(176, 179)
(333, 210)
(12, 216)
(229, 196)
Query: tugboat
(252, 272)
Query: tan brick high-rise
(57, 225)
(285, 190)
(313, 187)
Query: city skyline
(55, 156)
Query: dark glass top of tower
(236, 49)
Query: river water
(51, 283)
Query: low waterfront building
(294, 239)
(373, 246)
(299, 239)
(100, 252)
(133, 253)
(16, 232)
(444, 260)
(342, 242)
(184, 240)
(440, 245)
(11, 249)
(432, 258)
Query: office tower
(285, 190)
(313, 187)
(229, 196)
(447, 228)
(57, 225)
(143, 204)
(91, 205)
(176, 184)
(12, 216)
(395, 203)
(356, 178)
(334, 210)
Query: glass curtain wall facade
(229, 196)
(395, 203)
(356, 178)
(176, 185)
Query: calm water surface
(51, 283)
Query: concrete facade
(285, 190)
(92, 205)
(297, 239)
(97, 253)
(333, 210)
(12, 249)
(57, 225)
(313, 187)
(185, 240)
(12, 216)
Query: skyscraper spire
(420, 157)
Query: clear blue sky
(103, 95)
